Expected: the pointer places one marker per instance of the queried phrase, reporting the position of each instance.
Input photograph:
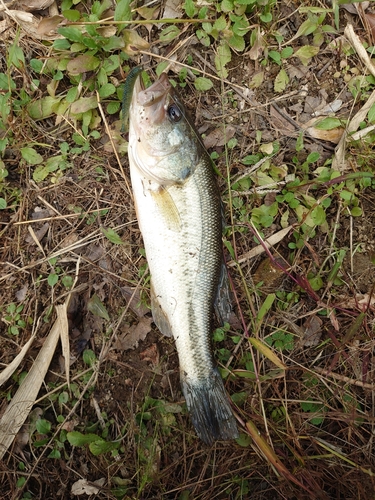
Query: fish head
(163, 142)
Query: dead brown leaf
(134, 301)
(312, 331)
(31, 5)
(281, 123)
(134, 335)
(49, 24)
(151, 354)
(219, 136)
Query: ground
(298, 353)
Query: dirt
(134, 398)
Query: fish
(179, 213)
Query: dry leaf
(219, 136)
(22, 402)
(172, 9)
(370, 21)
(39, 234)
(4, 25)
(29, 23)
(134, 43)
(21, 294)
(268, 243)
(134, 300)
(151, 354)
(11, 368)
(131, 339)
(31, 5)
(328, 109)
(312, 331)
(49, 24)
(282, 124)
(353, 8)
(83, 487)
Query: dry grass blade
(267, 352)
(338, 162)
(12, 367)
(258, 250)
(271, 456)
(22, 402)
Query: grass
(297, 357)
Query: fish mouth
(154, 98)
(153, 94)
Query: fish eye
(174, 113)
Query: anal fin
(223, 303)
(159, 316)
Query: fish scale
(179, 214)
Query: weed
(281, 340)
(14, 320)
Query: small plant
(280, 340)
(13, 318)
(315, 409)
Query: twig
(345, 379)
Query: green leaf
(203, 38)
(316, 283)
(96, 307)
(76, 438)
(305, 53)
(123, 13)
(371, 114)
(112, 236)
(318, 215)
(89, 357)
(52, 279)
(227, 5)
(43, 426)
(107, 90)
(286, 52)
(189, 8)
(71, 15)
(54, 454)
(356, 211)
(40, 173)
(222, 58)
(281, 81)
(4, 82)
(266, 18)
(328, 123)
(237, 43)
(3, 204)
(84, 104)
(82, 64)
(43, 108)
(220, 24)
(71, 33)
(61, 44)
(31, 156)
(113, 107)
(307, 27)
(72, 95)
(266, 306)
(275, 56)
(169, 33)
(100, 446)
(203, 84)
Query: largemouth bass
(179, 214)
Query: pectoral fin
(159, 316)
(167, 208)
(223, 303)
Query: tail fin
(210, 409)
